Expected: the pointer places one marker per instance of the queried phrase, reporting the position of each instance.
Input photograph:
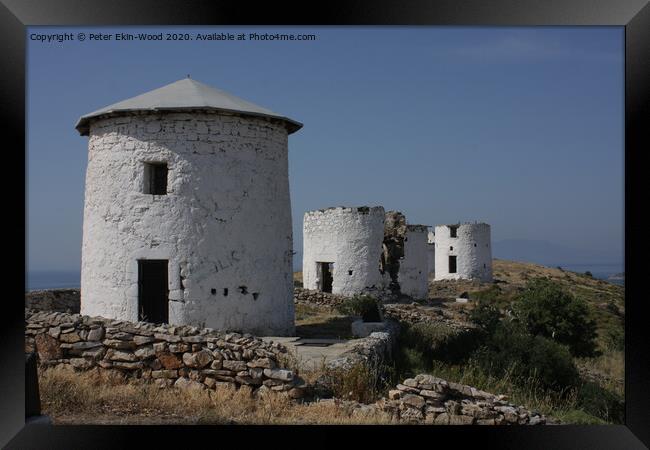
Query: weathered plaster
(351, 238)
(472, 248)
(224, 223)
(413, 268)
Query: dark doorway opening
(153, 291)
(326, 269)
(452, 264)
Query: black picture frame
(634, 15)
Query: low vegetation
(534, 344)
(93, 398)
(545, 309)
(320, 322)
(361, 305)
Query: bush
(601, 402)
(486, 316)
(545, 309)
(438, 341)
(510, 348)
(361, 305)
(615, 338)
(492, 294)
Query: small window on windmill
(155, 178)
(453, 231)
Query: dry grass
(71, 397)
(297, 276)
(609, 369)
(322, 322)
(530, 394)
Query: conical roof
(185, 94)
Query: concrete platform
(313, 353)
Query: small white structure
(342, 249)
(431, 252)
(413, 267)
(187, 216)
(463, 251)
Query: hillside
(607, 299)
(606, 303)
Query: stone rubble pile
(428, 400)
(183, 356)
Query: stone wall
(429, 400)
(413, 314)
(62, 300)
(373, 350)
(432, 400)
(310, 297)
(183, 356)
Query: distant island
(617, 276)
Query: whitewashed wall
(413, 268)
(431, 252)
(352, 239)
(472, 248)
(225, 222)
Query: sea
(58, 279)
(600, 271)
(52, 279)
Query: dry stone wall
(373, 350)
(184, 356)
(413, 314)
(310, 297)
(428, 400)
(63, 300)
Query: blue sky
(522, 128)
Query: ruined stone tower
(187, 215)
(413, 273)
(342, 249)
(463, 251)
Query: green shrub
(580, 417)
(615, 338)
(492, 294)
(545, 309)
(439, 341)
(486, 315)
(511, 348)
(601, 402)
(361, 305)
